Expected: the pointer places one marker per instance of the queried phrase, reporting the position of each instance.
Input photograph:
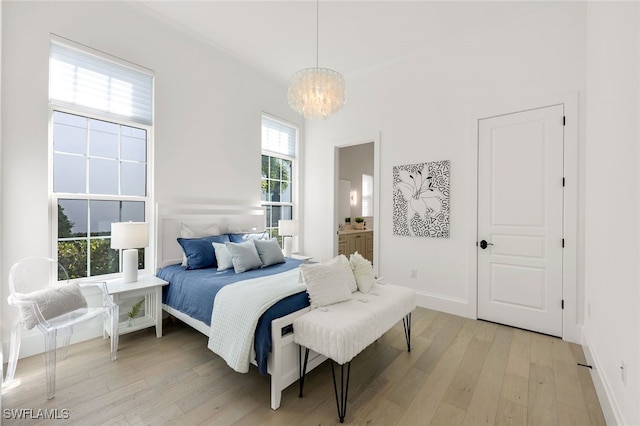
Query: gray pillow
(244, 256)
(53, 302)
(269, 251)
(223, 256)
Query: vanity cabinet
(350, 242)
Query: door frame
(344, 143)
(573, 296)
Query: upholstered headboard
(229, 218)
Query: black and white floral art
(421, 199)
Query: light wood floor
(460, 372)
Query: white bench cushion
(342, 330)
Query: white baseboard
(610, 408)
(440, 303)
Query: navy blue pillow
(199, 251)
(242, 237)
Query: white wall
(612, 319)
(426, 108)
(208, 107)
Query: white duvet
(236, 310)
(342, 330)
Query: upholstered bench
(340, 331)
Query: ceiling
(354, 35)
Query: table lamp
(129, 237)
(287, 228)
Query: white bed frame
(283, 364)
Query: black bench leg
(406, 321)
(341, 400)
(303, 367)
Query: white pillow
(53, 302)
(269, 251)
(244, 256)
(351, 280)
(197, 230)
(326, 283)
(223, 256)
(363, 272)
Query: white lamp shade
(287, 227)
(129, 235)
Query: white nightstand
(125, 294)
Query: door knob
(484, 244)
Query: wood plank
(510, 414)
(462, 386)
(568, 416)
(515, 389)
(424, 405)
(542, 407)
(447, 414)
(486, 395)
(519, 353)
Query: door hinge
(563, 243)
(562, 303)
(564, 120)
(563, 181)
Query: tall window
(278, 183)
(101, 116)
(367, 195)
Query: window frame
(54, 197)
(294, 179)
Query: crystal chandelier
(316, 92)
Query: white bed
(283, 363)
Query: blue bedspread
(193, 291)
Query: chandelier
(316, 92)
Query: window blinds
(278, 137)
(81, 79)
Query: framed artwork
(421, 199)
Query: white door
(520, 213)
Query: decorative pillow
(199, 251)
(223, 256)
(53, 302)
(363, 272)
(351, 280)
(244, 236)
(197, 230)
(269, 251)
(326, 283)
(244, 256)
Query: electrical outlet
(414, 273)
(623, 372)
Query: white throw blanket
(236, 310)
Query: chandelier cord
(317, 32)
(316, 92)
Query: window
(367, 195)
(278, 183)
(100, 157)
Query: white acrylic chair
(40, 289)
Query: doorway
(520, 219)
(352, 160)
